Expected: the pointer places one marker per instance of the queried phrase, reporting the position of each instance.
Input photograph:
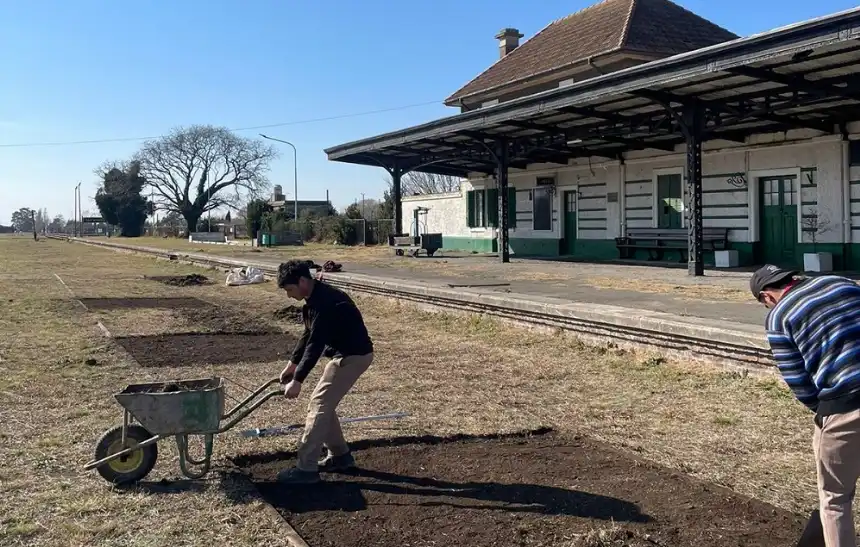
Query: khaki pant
(837, 460)
(322, 427)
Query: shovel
(813, 533)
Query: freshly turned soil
(544, 489)
(218, 348)
(180, 280)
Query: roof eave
(735, 53)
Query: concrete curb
(722, 342)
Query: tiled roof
(657, 27)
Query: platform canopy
(805, 75)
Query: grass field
(452, 374)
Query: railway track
(726, 344)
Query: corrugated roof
(657, 27)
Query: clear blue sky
(104, 69)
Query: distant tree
(22, 220)
(415, 183)
(57, 225)
(385, 209)
(227, 218)
(353, 211)
(200, 168)
(119, 200)
(42, 220)
(254, 213)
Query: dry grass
(689, 292)
(452, 374)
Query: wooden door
(669, 201)
(779, 209)
(569, 222)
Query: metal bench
(659, 240)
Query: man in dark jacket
(334, 327)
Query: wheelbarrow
(126, 453)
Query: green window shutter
(470, 208)
(512, 207)
(492, 207)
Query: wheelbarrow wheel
(132, 467)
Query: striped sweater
(814, 334)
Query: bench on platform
(659, 240)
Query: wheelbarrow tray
(176, 407)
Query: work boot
(333, 464)
(297, 476)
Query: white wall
(446, 215)
(818, 163)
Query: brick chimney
(509, 39)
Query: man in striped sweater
(813, 329)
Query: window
(542, 208)
(854, 152)
(476, 209)
(480, 209)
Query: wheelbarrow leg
(185, 458)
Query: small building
(319, 208)
(638, 114)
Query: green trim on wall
(592, 185)
(469, 244)
(648, 195)
(726, 206)
(595, 249)
(527, 246)
(638, 208)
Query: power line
(252, 128)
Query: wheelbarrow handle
(252, 396)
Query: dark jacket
(334, 327)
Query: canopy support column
(397, 198)
(502, 184)
(692, 127)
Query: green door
(779, 220)
(569, 222)
(669, 201)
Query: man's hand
(288, 372)
(293, 389)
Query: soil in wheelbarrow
(210, 348)
(541, 489)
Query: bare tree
(200, 168)
(415, 183)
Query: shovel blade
(813, 533)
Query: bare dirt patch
(289, 313)
(181, 280)
(537, 490)
(192, 349)
(172, 303)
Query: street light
(76, 230)
(295, 174)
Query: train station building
(637, 130)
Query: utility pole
(362, 205)
(33, 219)
(295, 175)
